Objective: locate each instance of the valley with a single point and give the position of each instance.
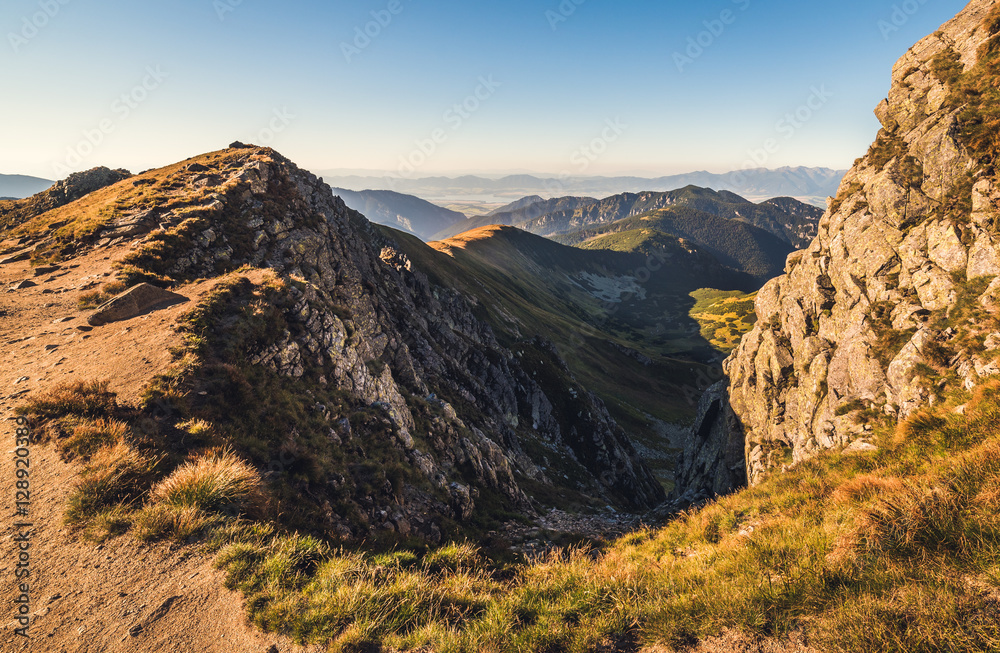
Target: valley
(256, 409)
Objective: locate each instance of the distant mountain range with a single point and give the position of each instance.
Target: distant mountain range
(404, 212)
(754, 239)
(787, 219)
(21, 186)
(735, 244)
(800, 182)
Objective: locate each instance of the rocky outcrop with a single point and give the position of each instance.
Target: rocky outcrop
(134, 301)
(77, 185)
(862, 315)
(469, 415)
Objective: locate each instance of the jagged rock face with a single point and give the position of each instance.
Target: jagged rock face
(365, 321)
(712, 463)
(854, 318)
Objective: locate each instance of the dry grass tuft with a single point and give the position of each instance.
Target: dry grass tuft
(216, 482)
(117, 474)
(160, 521)
(89, 436)
(80, 399)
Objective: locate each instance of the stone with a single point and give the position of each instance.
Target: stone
(860, 446)
(133, 302)
(16, 257)
(21, 285)
(990, 299)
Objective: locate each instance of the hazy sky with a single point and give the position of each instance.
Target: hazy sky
(581, 86)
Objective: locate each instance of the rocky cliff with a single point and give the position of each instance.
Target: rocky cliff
(374, 399)
(877, 315)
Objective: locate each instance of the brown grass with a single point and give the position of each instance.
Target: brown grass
(117, 474)
(79, 399)
(90, 436)
(864, 487)
(218, 481)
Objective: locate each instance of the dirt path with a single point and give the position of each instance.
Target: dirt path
(122, 596)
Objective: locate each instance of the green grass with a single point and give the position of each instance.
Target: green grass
(724, 316)
(897, 550)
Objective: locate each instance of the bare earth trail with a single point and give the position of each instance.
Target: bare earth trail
(141, 599)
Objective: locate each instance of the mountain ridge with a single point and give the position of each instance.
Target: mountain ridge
(18, 187)
(405, 212)
(816, 183)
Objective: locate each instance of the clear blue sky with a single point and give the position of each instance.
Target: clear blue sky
(232, 67)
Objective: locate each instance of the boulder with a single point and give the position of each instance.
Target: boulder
(134, 301)
(17, 257)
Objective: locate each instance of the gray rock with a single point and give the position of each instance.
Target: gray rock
(133, 302)
(881, 249)
(713, 462)
(17, 257)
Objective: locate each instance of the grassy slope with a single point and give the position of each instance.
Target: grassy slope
(897, 550)
(891, 550)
